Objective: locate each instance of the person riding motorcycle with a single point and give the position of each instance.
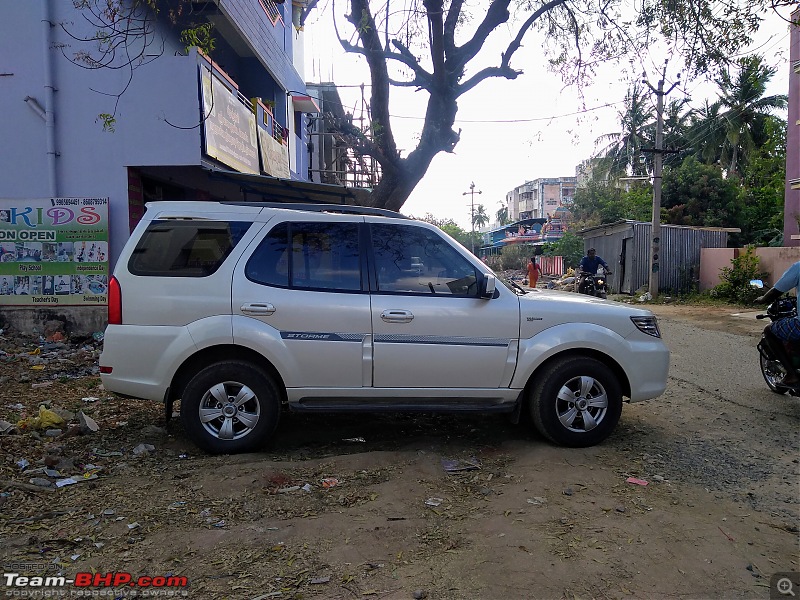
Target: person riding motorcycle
(590, 264)
(784, 330)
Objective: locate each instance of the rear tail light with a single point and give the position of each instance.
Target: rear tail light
(114, 302)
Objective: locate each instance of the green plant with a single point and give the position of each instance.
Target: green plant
(735, 285)
(515, 257)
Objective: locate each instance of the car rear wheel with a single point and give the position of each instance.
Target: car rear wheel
(229, 407)
(576, 402)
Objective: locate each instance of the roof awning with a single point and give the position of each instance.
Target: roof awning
(304, 103)
(275, 189)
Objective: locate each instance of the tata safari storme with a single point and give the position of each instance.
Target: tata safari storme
(243, 310)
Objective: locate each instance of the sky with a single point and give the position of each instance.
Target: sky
(512, 131)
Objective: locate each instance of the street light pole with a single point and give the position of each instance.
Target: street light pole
(472, 193)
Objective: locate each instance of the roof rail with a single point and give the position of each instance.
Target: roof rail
(332, 208)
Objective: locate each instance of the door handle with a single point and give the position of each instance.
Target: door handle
(394, 315)
(253, 308)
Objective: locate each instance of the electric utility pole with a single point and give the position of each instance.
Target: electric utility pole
(472, 193)
(658, 164)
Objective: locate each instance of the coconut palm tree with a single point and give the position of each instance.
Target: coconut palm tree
(742, 97)
(622, 154)
(479, 216)
(706, 133)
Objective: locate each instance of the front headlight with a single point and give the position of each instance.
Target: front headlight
(600, 282)
(647, 325)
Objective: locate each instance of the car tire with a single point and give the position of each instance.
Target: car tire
(229, 407)
(576, 402)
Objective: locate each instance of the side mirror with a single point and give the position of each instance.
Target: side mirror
(756, 283)
(488, 286)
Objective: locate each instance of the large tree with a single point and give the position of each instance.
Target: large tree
(745, 108)
(574, 35)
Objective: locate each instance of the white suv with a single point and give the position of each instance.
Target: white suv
(244, 310)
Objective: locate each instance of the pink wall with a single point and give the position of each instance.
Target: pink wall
(711, 262)
(772, 260)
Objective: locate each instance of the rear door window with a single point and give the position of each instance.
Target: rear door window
(320, 256)
(171, 248)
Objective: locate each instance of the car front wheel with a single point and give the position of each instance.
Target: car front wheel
(230, 407)
(576, 402)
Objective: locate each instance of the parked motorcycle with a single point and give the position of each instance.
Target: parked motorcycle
(771, 368)
(592, 285)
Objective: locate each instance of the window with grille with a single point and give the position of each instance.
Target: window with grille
(272, 10)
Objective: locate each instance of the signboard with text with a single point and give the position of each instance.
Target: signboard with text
(229, 126)
(54, 251)
(273, 155)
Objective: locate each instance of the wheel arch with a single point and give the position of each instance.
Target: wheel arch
(207, 356)
(616, 368)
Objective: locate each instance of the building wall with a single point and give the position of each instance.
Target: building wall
(772, 261)
(791, 208)
(158, 117)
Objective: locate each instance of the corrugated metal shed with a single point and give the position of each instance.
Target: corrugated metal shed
(625, 246)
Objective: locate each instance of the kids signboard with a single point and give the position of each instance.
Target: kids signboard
(54, 251)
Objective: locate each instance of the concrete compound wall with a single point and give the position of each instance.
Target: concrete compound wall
(773, 261)
(71, 321)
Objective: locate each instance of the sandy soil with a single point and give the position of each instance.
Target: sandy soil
(381, 517)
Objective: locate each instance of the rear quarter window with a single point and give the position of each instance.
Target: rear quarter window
(185, 248)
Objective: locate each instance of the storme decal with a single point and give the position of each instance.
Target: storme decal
(316, 336)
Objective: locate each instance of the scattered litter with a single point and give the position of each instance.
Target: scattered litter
(306, 488)
(90, 399)
(23, 463)
(636, 481)
(286, 490)
(134, 525)
(318, 580)
(45, 420)
(108, 512)
(434, 501)
(41, 482)
(72, 480)
(43, 384)
(220, 523)
(658, 478)
(537, 500)
(142, 449)
(646, 297)
(184, 455)
(105, 454)
(457, 466)
(87, 423)
(360, 440)
(98, 336)
(6, 427)
(75, 557)
(52, 473)
(330, 482)
(53, 432)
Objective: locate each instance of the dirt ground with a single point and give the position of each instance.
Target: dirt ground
(365, 506)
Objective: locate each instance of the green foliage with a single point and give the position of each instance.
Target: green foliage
(699, 195)
(109, 122)
(764, 180)
(735, 286)
(199, 36)
(599, 203)
(515, 256)
(570, 246)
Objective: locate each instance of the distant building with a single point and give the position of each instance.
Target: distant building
(540, 198)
